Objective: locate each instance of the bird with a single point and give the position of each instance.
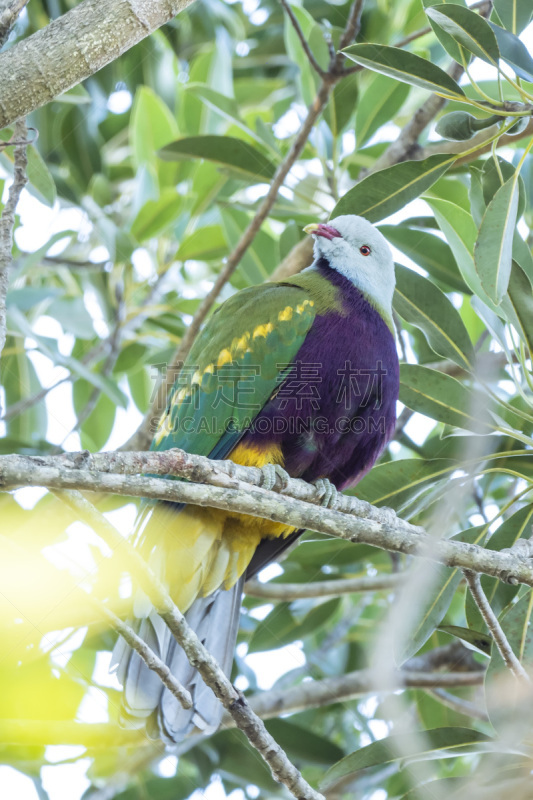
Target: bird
(299, 378)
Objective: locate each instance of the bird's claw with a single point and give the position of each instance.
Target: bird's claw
(327, 491)
(269, 474)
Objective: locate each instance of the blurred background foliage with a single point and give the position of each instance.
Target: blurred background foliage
(125, 223)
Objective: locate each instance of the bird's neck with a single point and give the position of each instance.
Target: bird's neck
(345, 293)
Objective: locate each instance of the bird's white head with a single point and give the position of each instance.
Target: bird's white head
(355, 248)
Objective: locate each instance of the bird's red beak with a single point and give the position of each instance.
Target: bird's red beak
(319, 229)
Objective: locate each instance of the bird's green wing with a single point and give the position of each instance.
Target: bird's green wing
(234, 367)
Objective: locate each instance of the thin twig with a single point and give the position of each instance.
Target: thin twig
(491, 621)
(232, 700)
(303, 41)
(151, 660)
(334, 588)
(353, 25)
(458, 704)
(7, 220)
(342, 688)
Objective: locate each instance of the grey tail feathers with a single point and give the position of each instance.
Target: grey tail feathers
(215, 620)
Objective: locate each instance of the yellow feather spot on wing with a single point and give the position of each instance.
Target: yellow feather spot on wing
(209, 369)
(181, 395)
(197, 377)
(224, 357)
(263, 330)
(164, 428)
(240, 345)
(300, 308)
(286, 314)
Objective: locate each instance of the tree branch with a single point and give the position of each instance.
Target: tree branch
(361, 523)
(74, 47)
(151, 660)
(232, 700)
(8, 17)
(496, 630)
(286, 592)
(343, 688)
(7, 219)
(267, 705)
(458, 704)
(303, 41)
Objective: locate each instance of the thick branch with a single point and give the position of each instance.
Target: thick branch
(7, 220)
(390, 533)
(73, 48)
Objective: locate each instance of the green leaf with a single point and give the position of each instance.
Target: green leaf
(504, 693)
(73, 316)
(434, 600)
(461, 233)
(222, 150)
(40, 178)
(442, 397)
(204, 244)
(447, 41)
(428, 251)
(275, 630)
(493, 177)
(481, 641)
(514, 52)
(493, 249)
(152, 125)
(302, 744)
(467, 28)
(156, 215)
(405, 67)
(397, 482)
(499, 594)
(382, 99)
(432, 604)
(521, 299)
(223, 105)
(384, 192)
(439, 743)
(514, 14)
(421, 303)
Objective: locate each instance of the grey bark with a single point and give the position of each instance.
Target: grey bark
(74, 47)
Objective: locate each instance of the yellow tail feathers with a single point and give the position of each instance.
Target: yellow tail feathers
(203, 549)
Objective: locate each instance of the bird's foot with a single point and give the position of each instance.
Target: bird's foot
(269, 474)
(327, 491)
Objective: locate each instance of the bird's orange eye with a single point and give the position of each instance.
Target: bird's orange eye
(365, 250)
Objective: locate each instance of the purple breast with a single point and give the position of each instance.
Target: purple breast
(335, 408)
